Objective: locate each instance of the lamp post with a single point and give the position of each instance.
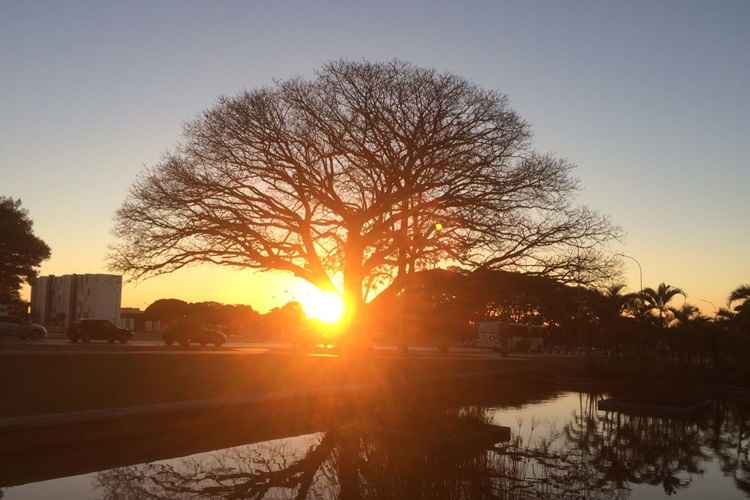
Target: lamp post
(640, 269)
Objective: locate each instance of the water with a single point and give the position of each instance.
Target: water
(558, 446)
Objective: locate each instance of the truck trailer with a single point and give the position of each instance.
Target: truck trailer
(508, 337)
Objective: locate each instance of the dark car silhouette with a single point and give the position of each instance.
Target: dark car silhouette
(186, 332)
(98, 329)
(21, 328)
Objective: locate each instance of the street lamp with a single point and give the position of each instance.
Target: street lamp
(640, 269)
(716, 309)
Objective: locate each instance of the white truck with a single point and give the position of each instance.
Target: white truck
(510, 337)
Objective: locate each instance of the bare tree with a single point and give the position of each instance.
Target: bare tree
(369, 171)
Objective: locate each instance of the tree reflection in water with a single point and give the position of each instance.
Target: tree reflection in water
(595, 455)
(728, 438)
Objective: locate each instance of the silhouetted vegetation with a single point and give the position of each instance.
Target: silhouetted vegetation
(740, 313)
(444, 307)
(235, 319)
(21, 251)
(285, 323)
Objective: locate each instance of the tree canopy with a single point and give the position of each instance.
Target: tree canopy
(167, 309)
(368, 172)
(21, 251)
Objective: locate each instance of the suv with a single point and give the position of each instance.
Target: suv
(98, 329)
(186, 331)
(21, 328)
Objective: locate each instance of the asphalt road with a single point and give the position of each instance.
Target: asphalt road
(60, 344)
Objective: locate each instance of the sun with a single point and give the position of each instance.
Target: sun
(317, 304)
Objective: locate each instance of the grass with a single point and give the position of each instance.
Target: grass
(39, 383)
(64, 382)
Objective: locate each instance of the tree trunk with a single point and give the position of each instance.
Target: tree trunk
(353, 306)
(353, 293)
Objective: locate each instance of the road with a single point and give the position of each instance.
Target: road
(60, 344)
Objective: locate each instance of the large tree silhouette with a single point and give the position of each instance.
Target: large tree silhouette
(369, 171)
(21, 251)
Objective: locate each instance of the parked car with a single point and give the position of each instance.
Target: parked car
(21, 328)
(87, 330)
(188, 332)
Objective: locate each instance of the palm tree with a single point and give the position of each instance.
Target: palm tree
(725, 314)
(686, 314)
(659, 299)
(741, 318)
(742, 294)
(617, 301)
(609, 305)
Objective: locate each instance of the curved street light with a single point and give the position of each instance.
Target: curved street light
(716, 309)
(640, 269)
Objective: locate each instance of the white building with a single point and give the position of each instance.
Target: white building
(60, 300)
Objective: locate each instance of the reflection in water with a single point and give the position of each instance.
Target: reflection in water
(727, 437)
(608, 454)
(591, 455)
(559, 448)
(420, 457)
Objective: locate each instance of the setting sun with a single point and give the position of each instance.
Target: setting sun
(320, 305)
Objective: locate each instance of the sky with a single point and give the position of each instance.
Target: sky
(650, 100)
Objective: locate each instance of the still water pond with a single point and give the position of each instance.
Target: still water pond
(560, 447)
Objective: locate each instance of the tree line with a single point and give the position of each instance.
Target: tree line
(447, 305)
(280, 323)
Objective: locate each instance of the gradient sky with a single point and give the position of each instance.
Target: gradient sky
(650, 99)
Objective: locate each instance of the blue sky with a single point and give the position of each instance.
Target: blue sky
(650, 99)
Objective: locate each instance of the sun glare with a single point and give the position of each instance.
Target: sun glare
(319, 305)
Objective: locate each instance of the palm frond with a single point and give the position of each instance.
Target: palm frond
(742, 292)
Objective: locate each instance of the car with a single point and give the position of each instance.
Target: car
(21, 328)
(87, 330)
(185, 332)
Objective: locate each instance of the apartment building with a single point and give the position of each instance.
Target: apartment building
(60, 300)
